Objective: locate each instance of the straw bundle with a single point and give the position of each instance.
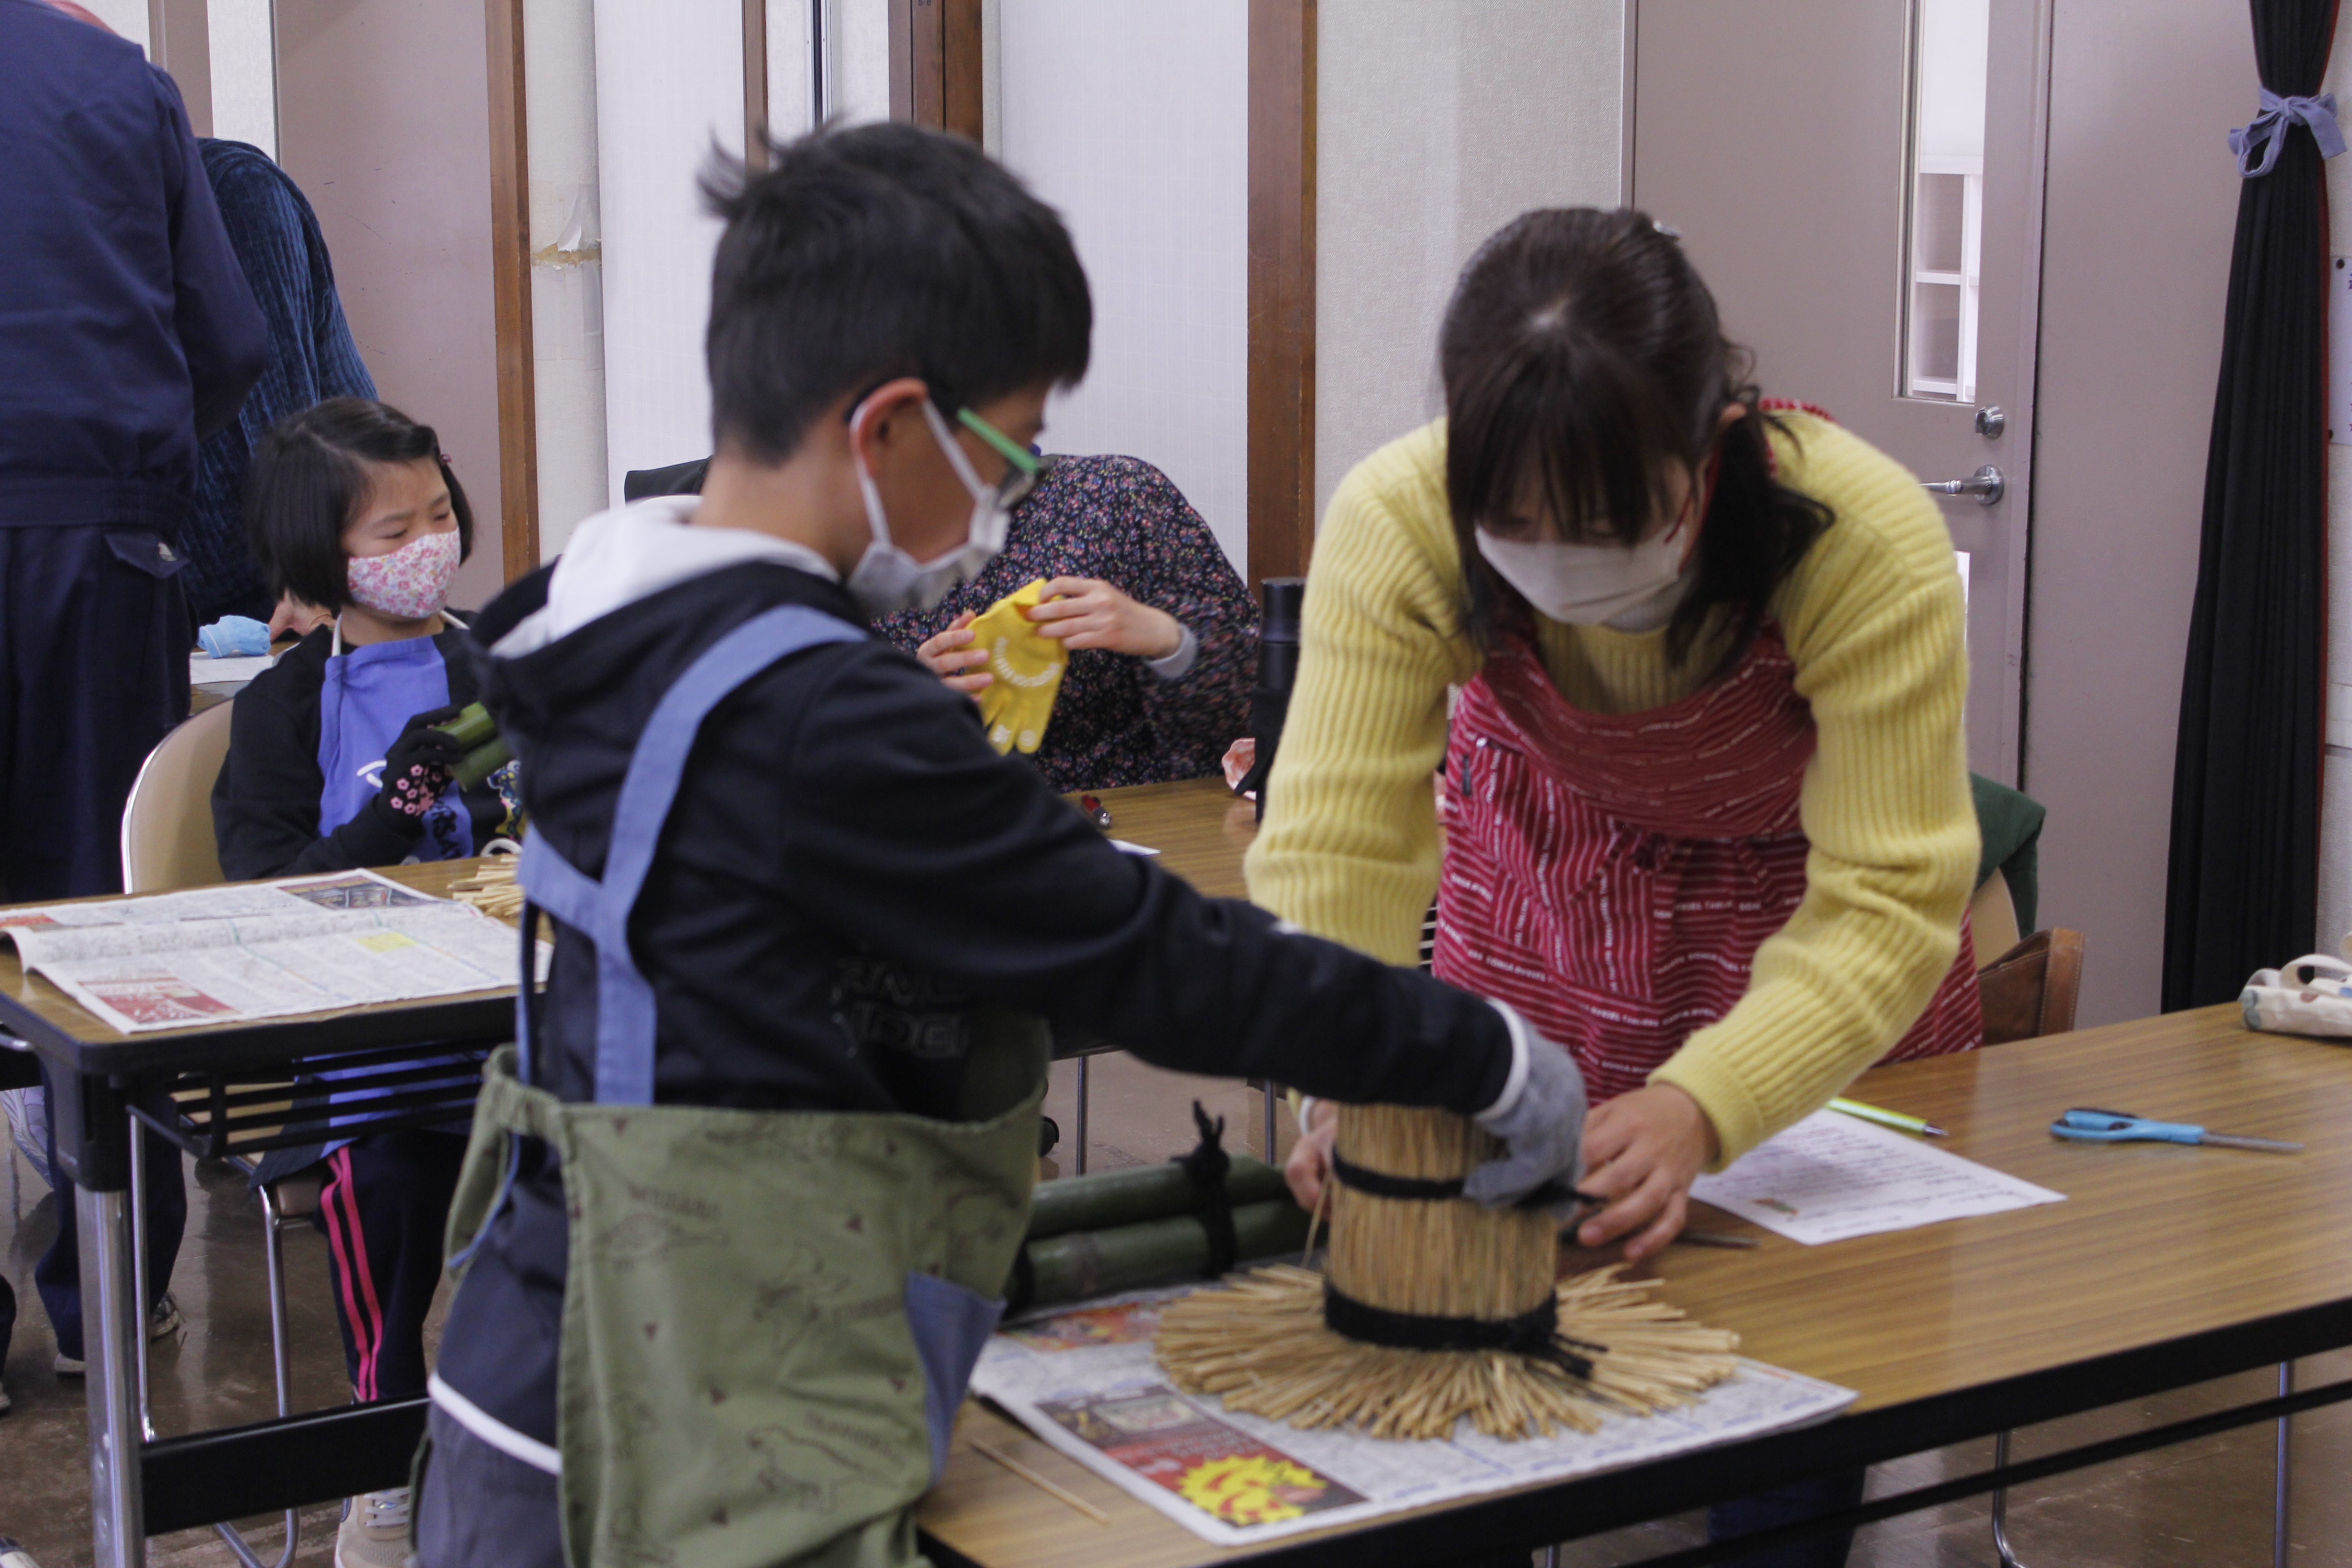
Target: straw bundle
(492, 889)
(1434, 1310)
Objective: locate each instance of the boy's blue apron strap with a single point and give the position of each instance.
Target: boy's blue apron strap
(624, 1002)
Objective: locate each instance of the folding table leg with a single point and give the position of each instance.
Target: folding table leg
(114, 1322)
(2281, 1474)
(139, 1269)
(2001, 1507)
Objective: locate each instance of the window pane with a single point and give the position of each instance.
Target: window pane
(1946, 212)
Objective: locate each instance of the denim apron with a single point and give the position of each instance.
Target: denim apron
(366, 696)
(769, 1317)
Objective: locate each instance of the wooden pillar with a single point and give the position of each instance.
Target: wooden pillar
(510, 291)
(1281, 287)
(935, 64)
(755, 83)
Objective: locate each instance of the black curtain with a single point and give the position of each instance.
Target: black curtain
(2243, 889)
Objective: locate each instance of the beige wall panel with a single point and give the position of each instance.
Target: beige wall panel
(1438, 120)
(2142, 201)
(383, 122)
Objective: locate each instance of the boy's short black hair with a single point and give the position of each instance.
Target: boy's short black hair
(883, 250)
(308, 482)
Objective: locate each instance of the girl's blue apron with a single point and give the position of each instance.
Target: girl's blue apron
(366, 698)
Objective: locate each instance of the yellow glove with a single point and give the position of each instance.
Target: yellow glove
(1027, 667)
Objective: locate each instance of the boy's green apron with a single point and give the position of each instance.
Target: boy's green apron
(770, 1317)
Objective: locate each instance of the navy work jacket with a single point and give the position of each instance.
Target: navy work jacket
(126, 327)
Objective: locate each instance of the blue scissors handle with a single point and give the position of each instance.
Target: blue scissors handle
(2096, 1126)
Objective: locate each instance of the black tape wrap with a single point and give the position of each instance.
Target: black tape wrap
(1207, 1165)
(1380, 1184)
(1431, 1189)
(1534, 1333)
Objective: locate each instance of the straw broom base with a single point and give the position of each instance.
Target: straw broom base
(1261, 1345)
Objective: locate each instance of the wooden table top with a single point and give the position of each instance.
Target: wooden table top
(2155, 1243)
(1200, 827)
(30, 1006)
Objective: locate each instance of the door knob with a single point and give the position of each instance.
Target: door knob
(1987, 484)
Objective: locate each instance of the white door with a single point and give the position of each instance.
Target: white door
(1860, 183)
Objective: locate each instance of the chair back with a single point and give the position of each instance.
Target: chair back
(167, 822)
(2032, 989)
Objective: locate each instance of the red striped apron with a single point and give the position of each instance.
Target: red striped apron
(1613, 876)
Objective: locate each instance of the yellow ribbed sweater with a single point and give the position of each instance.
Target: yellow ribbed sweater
(1874, 619)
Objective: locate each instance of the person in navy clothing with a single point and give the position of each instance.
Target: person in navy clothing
(311, 358)
(127, 332)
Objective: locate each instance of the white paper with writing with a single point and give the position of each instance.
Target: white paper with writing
(1831, 1176)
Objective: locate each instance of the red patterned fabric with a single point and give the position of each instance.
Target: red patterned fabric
(1613, 876)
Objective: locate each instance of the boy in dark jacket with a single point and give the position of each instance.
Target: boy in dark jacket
(741, 1207)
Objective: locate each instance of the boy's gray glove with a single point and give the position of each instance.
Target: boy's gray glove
(1543, 1123)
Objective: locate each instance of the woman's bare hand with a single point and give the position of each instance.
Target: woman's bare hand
(951, 656)
(1085, 612)
(296, 617)
(1641, 1152)
(1309, 1164)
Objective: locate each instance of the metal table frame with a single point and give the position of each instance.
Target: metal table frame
(101, 1088)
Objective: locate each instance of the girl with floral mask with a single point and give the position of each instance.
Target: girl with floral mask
(1705, 808)
(334, 762)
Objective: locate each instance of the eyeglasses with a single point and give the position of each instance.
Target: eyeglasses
(1021, 477)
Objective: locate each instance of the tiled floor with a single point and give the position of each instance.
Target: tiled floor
(2207, 1504)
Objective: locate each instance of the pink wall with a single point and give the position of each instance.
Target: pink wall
(383, 122)
(2141, 206)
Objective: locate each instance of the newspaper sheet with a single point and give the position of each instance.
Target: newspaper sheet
(1084, 1380)
(1832, 1176)
(308, 945)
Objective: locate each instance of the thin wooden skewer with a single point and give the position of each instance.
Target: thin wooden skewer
(1315, 1222)
(989, 1451)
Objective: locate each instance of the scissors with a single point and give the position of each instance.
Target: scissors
(2122, 1127)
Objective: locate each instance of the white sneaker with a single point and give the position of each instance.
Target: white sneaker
(164, 1320)
(374, 1532)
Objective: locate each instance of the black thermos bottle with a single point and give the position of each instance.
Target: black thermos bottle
(1277, 672)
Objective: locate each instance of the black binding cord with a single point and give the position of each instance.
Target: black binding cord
(1534, 1333)
(1207, 1165)
(1380, 1184)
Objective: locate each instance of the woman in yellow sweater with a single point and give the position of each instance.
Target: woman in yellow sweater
(1706, 801)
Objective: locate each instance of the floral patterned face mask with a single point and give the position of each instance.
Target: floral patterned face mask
(411, 583)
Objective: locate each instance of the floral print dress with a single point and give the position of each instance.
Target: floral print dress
(1117, 721)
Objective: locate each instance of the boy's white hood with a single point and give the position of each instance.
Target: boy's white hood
(632, 553)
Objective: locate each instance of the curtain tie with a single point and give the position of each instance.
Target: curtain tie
(2262, 137)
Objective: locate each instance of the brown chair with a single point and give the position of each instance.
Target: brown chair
(2032, 989)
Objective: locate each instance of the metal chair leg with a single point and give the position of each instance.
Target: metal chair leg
(2283, 1473)
(1078, 1153)
(274, 1226)
(1551, 1557)
(1269, 1109)
(2001, 1507)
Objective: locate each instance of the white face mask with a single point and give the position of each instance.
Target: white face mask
(1585, 584)
(886, 578)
